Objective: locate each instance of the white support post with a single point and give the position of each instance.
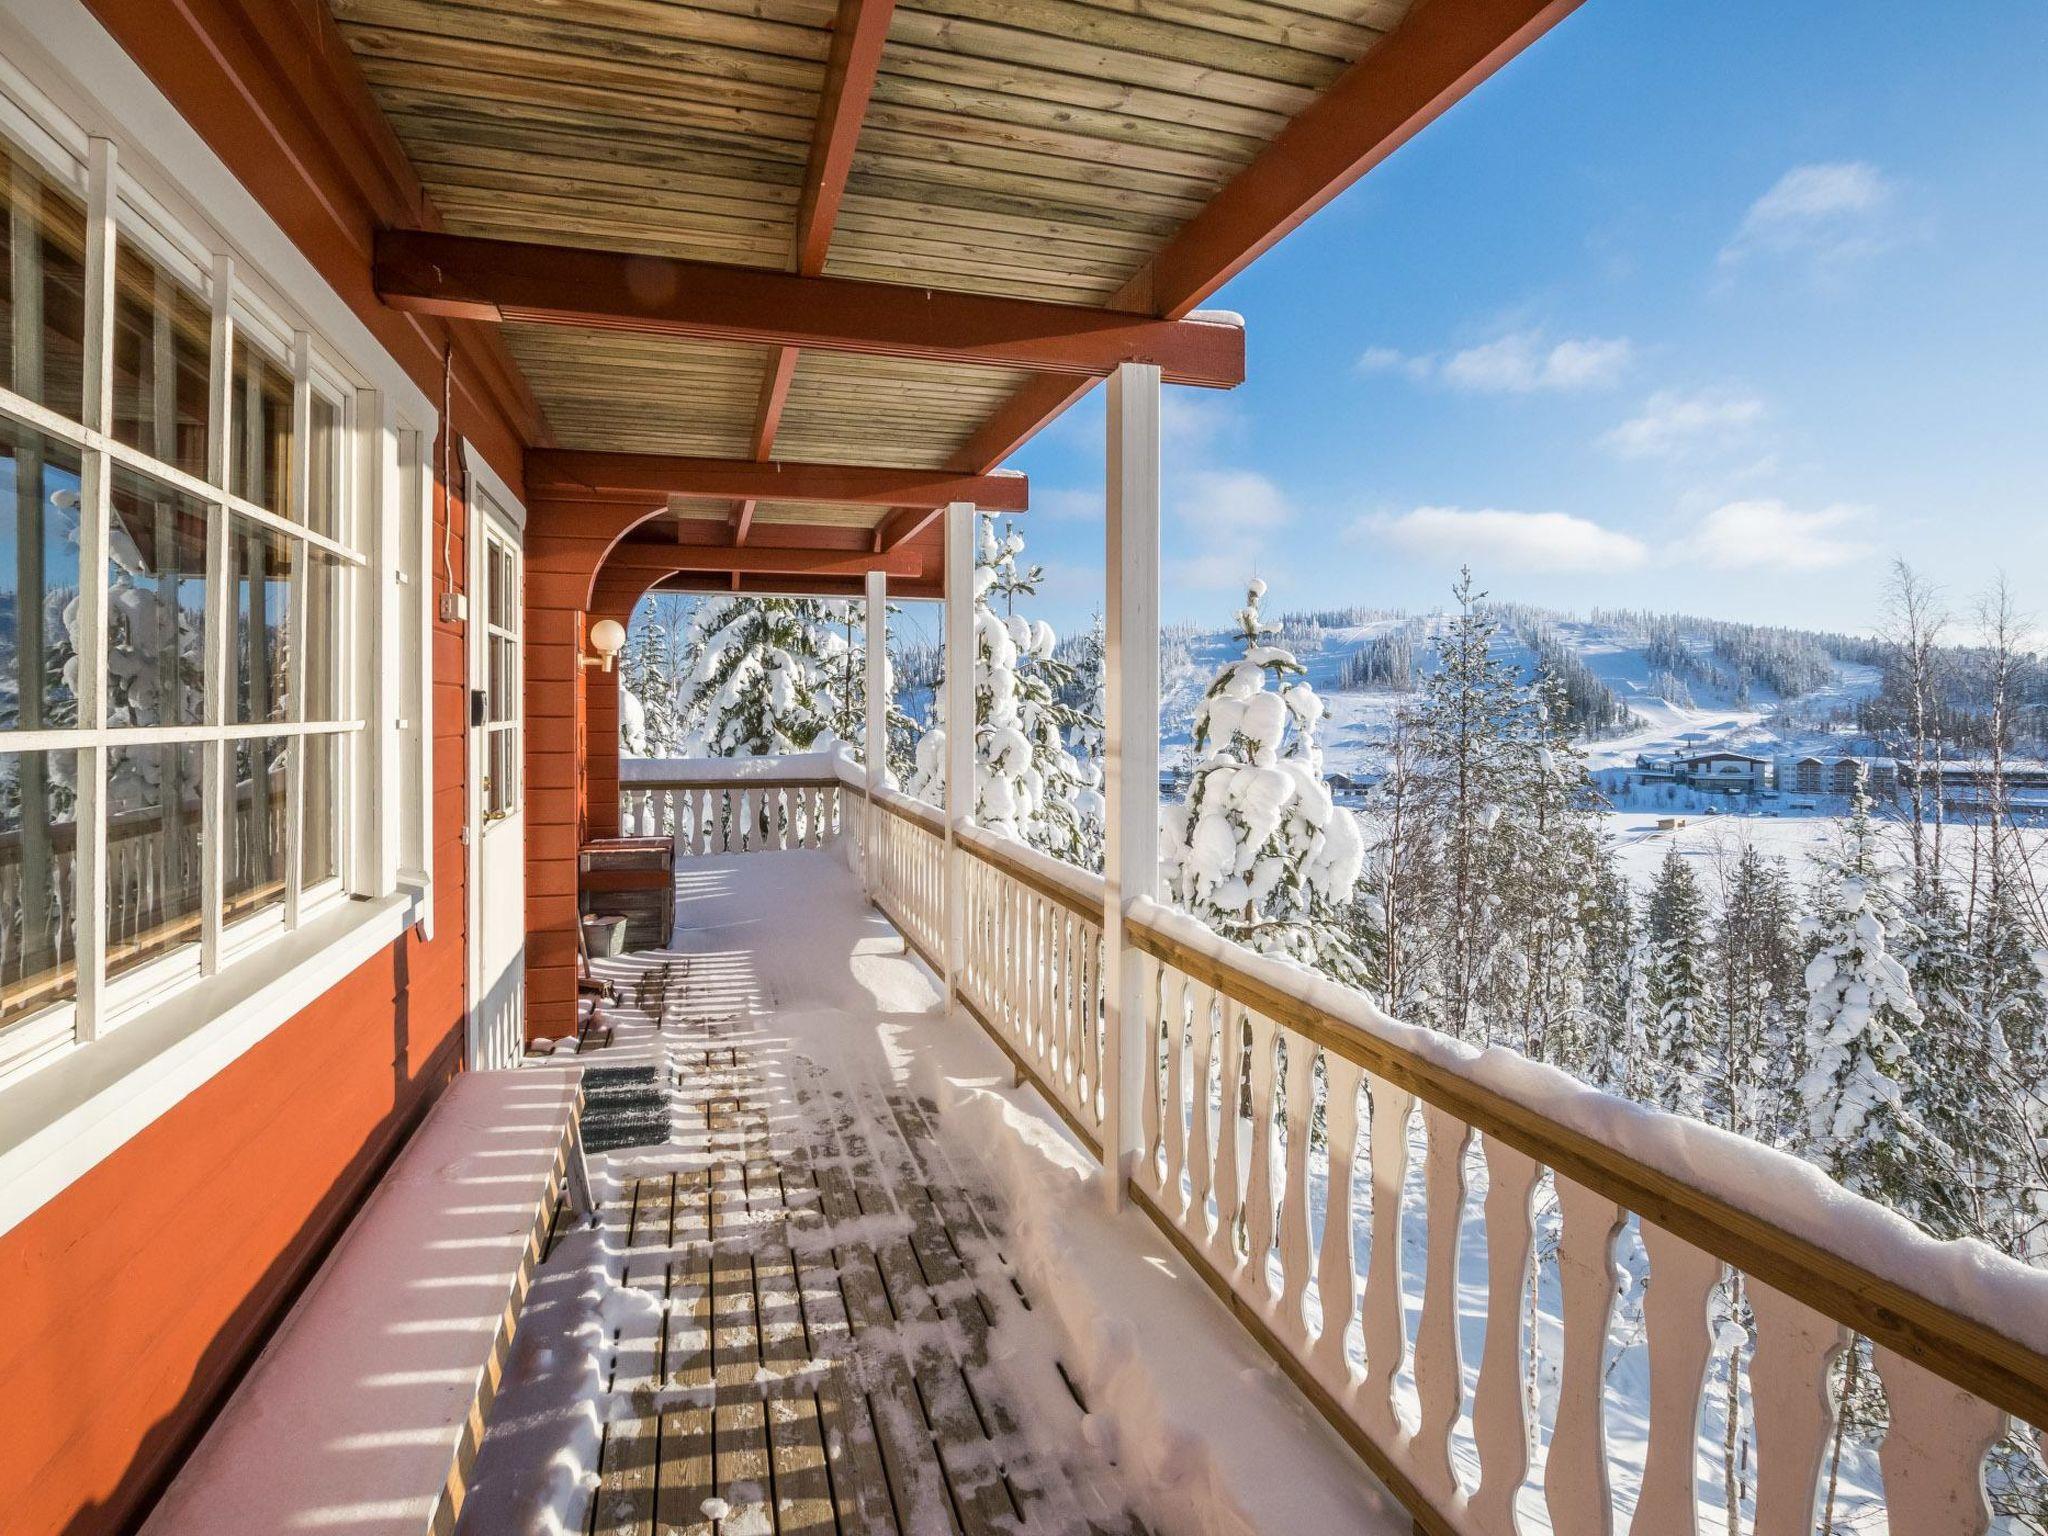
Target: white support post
(876, 751)
(1131, 739)
(960, 724)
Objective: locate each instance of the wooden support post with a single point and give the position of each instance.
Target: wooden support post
(1131, 734)
(876, 752)
(960, 724)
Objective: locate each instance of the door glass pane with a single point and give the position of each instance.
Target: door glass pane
(38, 580)
(319, 846)
(324, 469)
(42, 288)
(156, 604)
(326, 579)
(38, 844)
(260, 465)
(153, 821)
(163, 343)
(254, 809)
(260, 581)
(502, 792)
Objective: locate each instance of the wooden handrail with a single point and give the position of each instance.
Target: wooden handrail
(737, 785)
(1072, 894)
(1953, 1345)
(916, 812)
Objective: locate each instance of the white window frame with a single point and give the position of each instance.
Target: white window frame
(160, 1030)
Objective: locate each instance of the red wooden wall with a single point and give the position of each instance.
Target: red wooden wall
(134, 1298)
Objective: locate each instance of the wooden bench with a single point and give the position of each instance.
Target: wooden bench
(364, 1411)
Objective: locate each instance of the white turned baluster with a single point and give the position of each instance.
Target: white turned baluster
(1258, 1208)
(1177, 987)
(1575, 1476)
(1794, 1407)
(1201, 1147)
(1301, 1097)
(1439, 1370)
(1500, 1416)
(1681, 1283)
(1336, 1262)
(1223, 1243)
(1146, 1016)
(1386, 1339)
(1933, 1451)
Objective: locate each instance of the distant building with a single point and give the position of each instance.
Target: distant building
(1724, 772)
(1879, 776)
(1806, 775)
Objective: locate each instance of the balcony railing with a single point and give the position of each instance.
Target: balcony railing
(732, 806)
(1257, 1078)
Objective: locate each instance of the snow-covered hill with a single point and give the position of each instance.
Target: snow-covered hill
(1698, 711)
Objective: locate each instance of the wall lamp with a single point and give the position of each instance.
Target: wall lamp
(607, 638)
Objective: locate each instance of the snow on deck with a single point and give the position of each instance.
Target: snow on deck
(868, 1285)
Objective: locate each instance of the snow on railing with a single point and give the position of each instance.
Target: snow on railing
(733, 805)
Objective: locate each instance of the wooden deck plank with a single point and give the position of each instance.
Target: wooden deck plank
(687, 1467)
(624, 1503)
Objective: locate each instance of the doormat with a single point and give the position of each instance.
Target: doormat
(624, 1107)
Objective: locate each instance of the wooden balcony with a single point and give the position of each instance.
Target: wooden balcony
(1431, 1241)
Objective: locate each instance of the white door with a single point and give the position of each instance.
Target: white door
(497, 761)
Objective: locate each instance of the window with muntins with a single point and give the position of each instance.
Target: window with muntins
(179, 582)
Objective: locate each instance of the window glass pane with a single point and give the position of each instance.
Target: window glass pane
(38, 844)
(156, 604)
(38, 580)
(326, 586)
(42, 288)
(501, 793)
(260, 463)
(254, 810)
(260, 583)
(163, 340)
(153, 820)
(319, 846)
(324, 469)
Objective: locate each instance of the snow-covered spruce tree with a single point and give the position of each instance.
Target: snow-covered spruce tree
(760, 677)
(1860, 1015)
(1468, 724)
(651, 673)
(1550, 861)
(1757, 988)
(1678, 1025)
(1259, 851)
(1027, 785)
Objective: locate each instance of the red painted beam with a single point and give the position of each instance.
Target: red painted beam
(558, 474)
(1438, 53)
(774, 396)
(508, 280)
(760, 559)
(858, 33)
(905, 526)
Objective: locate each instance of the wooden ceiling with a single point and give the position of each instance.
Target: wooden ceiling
(1128, 154)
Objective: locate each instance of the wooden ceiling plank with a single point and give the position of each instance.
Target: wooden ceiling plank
(469, 278)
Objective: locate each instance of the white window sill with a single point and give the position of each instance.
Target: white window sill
(63, 1118)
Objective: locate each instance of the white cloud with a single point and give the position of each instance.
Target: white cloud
(1515, 363)
(1527, 541)
(1067, 504)
(1232, 512)
(1523, 362)
(1828, 212)
(1672, 424)
(1768, 535)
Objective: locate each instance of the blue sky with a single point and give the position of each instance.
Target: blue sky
(1710, 307)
